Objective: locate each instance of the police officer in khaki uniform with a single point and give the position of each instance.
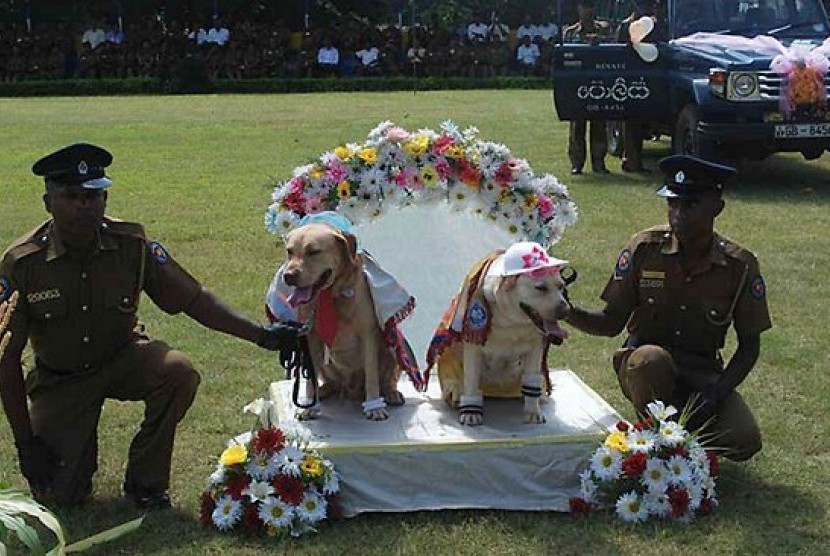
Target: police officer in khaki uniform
(79, 277)
(588, 30)
(678, 288)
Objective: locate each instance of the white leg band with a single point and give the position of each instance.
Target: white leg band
(374, 405)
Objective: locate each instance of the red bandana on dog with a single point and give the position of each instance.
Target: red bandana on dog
(326, 322)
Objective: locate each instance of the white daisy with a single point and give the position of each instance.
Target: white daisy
(451, 129)
(281, 192)
(218, 476)
(640, 441)
(587, 485)
(312, 508)
(606, 463)
(657, 503)
(379, 132)
(243, 438)
(565, 214)
(655, 477)
(371, 180)
(332, 484)
(631, 508)
(227, 513)
(258, 491)
(275, 512)
(695, 490)
(470, 133)
(262, 466)
(679, 472)
(289, 459)
(661, 411)
(303, 170)
(280, 221)
(671, 433)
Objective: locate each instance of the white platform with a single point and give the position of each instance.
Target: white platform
(422, 459)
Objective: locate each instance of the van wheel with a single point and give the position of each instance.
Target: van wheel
(614, 137)
(685, 139)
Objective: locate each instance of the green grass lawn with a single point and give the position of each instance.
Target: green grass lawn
(195, 170)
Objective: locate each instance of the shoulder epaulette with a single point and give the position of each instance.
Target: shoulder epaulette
(735, 251)
(121, 227)
(655, 234)
(27, 244)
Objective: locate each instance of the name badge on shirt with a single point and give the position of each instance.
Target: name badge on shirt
(652, 279)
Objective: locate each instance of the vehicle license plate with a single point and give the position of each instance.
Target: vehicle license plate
(798, 131)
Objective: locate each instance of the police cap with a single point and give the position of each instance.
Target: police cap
(80, 165)
(689, 176)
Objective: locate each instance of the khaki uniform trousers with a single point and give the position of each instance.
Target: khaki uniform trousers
(65, 409)
(648, 373)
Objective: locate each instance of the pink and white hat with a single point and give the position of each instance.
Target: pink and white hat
(524, 257)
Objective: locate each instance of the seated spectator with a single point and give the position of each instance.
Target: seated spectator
(328, 59)
(526, 29)
(94, 36)
(527, 56)
(115, 35)
(218, 34)
(548, 31)
(477, 30)
(497, 31)
(197, 34)
(369, 57)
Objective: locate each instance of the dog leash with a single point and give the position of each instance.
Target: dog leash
(301, 367)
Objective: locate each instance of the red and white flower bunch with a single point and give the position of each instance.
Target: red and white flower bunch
(268, 481)
(651, 468)
(395, 168)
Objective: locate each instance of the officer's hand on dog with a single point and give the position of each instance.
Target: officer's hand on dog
(38, 462)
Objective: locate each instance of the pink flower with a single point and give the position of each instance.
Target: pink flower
(545, 207)
(441, 144)
(314, 205)
(443, 169)
(337, 172)
(398, 134)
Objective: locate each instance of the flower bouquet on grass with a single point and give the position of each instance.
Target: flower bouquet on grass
(269, 481)
(651, 468)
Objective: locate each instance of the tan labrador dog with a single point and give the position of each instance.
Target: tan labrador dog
(525, 298)
(321, 260)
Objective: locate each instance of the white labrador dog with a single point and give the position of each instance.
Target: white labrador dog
(521, 299)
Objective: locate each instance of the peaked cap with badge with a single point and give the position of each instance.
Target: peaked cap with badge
(77, 165)
(688, 176)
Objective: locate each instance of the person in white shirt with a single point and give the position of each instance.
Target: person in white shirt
(527, 55)
(497, 31)
(95, 36)
(477, 30)
(328, 58)
(548, 31)
(218, 34)
(526, 29)
(197, 34)
(369, 57)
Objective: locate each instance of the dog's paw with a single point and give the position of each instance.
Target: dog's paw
(376, 414)
(394, 398)
(471, 419)
(307, 414)
(535, 417)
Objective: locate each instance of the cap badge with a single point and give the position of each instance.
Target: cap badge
(83, 168)
(679, 177)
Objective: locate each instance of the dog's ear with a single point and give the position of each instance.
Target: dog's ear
(508, 283)
(348, 243)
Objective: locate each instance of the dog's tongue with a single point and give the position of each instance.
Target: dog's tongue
(552, 329)
(300, 296)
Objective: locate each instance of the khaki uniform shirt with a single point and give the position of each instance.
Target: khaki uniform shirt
(79, 310)
(686, 313)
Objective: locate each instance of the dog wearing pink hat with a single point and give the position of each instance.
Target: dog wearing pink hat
(493, 339)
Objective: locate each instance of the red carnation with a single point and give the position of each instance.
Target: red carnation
(250, 519)
(679, 451)
(714, 463)
(622, 426)
(646, 423)
(208, 504)
(634, 465)
(707, 506)
(441, 144)
(268, 440)
(504, 175)
(579, 506)
(290, 489)
(236, 485)
(679, 501)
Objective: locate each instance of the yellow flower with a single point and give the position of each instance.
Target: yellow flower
(368, 155)
(430, 176)
(312, 467)
(317, 173)
(233, 455)
(530, 202)
(617, 441)
(417, 146)
(454, 152)
(343, 153)
(344, 190)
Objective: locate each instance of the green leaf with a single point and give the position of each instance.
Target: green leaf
(14, 503)
(105, 536)
(25, 532)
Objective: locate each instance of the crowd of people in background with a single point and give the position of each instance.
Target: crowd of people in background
(484, 46)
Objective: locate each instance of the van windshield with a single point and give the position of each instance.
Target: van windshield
(780, 18)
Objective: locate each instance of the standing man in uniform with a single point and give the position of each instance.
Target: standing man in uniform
(79, 277)
(678, 288)
(587, 30)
